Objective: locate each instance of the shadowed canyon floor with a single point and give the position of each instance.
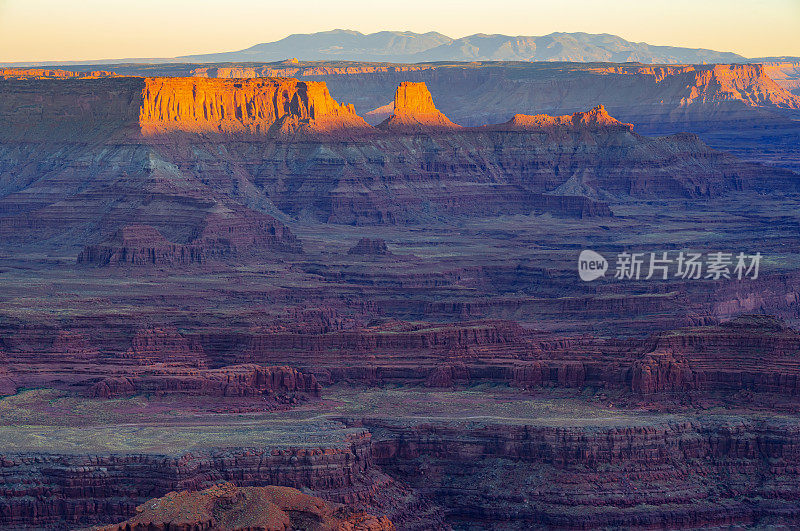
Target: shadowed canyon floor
(242, 280)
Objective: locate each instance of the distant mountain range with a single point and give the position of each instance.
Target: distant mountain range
(410, 47)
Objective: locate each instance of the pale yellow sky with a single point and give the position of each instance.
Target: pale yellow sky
(55, 30)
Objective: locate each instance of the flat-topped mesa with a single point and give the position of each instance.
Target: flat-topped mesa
(126, 108)
(369, 247)
(242, 106)
(594, 119)
(747, 83)
(219, 237)
(44, 73)
(414, 110)
(138, 244)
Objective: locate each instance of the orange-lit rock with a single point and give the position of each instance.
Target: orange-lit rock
(786, 74)
(414, 110)
(236, 106)
(42, 73)
(596, 118)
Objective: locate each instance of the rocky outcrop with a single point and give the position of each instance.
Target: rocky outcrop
(69, 109)
(597, 118)
(141, 245)
(243, 232)
(283, 384)
(369, 247)
(655, 98)
(746, 83)
(752, 353)
(221, 237)
(661, 371)
(448, 375)
(414, 111)
(163, 345)
(44, 73)
(242, 106)
(226, 506)
(686, 473)
(786, 74)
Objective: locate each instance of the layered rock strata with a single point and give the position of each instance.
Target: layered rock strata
(281, 383)
(414, 110)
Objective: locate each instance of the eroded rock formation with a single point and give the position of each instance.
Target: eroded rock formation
(44, 73)
(280, 383)
(220, 237)
(369, 247)
(226, 506)
(253, 106)
(414, 111)
(681, 474)
(753, 353)
(341, 471)
(597, 118)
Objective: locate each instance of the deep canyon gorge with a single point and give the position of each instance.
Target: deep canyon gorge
(221, 283)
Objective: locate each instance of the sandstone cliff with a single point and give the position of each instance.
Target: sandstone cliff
(221, 237)
(414, 111)
(281, 384)
(786, 74)
(753, 353)
(654, 98)
(685, 473)
(79, 108)
(596, 118)
(341, 471)
(44, 73)
(254, 106)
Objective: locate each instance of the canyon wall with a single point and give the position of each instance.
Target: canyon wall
(786, 74)
(679, 474)
(254, 106)
(687, 473)
(46, 490)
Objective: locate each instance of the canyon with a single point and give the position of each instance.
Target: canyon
(221, 283)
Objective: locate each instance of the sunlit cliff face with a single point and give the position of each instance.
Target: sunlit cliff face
(413, 108)
(107, 106)
(240, 106)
